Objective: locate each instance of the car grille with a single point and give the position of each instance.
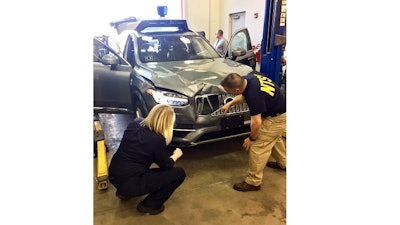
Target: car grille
(211, 105)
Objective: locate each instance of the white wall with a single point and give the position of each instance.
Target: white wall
(211, 15)
(255, 26)
(197, 14)
(202, 15)
(104, 12)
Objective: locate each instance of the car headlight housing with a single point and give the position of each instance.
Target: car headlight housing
(167, 97)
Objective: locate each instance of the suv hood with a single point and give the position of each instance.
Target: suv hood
(193, 77)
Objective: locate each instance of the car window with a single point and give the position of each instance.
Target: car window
(100, 50)
(202, 49)
(240, 41)
(165, 48)
(129, 51)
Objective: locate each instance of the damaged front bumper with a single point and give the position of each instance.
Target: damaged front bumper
(204, 122)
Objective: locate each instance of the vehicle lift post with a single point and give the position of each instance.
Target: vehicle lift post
(274, 36)
(272, 41)
(102, 166)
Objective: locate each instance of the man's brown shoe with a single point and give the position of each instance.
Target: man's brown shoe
(275, 165)
(243, 186)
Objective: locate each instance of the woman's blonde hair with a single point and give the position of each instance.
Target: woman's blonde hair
(161, 120)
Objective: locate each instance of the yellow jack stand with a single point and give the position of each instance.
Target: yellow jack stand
(102, 166)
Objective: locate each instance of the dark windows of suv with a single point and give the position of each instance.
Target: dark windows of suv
(131, 54)
(202, 49)
(99, 50)
(165, 48)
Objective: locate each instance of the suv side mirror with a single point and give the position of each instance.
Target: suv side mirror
(110, 59)
(237, 52)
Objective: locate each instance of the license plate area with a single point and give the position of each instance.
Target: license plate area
(230, 122)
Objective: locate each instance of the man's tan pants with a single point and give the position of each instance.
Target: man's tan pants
(268, 142)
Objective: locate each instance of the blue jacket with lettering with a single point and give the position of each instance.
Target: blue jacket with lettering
(263, 96)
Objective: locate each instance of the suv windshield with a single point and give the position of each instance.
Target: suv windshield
(165, 48)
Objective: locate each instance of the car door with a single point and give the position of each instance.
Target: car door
(111, 80)
(241, 39)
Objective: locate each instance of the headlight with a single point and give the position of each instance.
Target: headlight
(170, 98)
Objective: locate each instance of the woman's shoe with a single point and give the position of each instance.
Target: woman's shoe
(121, 197)
(150, 210)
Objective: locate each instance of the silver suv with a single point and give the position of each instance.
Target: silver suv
(163, 61)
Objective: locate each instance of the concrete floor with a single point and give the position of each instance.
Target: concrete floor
(206, 196)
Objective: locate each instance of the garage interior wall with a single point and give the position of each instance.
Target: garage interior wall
(211, 15)
(201, 16)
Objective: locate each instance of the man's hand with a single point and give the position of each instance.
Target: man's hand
(255, 126)
(225, 108)
(246, 144)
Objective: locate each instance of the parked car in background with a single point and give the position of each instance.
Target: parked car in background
(163, 61)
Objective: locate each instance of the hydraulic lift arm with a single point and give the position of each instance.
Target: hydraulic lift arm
(273, 39)
(274, 36)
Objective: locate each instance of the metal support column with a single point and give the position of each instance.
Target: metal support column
(272, 41)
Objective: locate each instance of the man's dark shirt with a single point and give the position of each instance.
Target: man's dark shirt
(139, 148)
(263, 96)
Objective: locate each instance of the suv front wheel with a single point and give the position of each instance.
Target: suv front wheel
(140, 110)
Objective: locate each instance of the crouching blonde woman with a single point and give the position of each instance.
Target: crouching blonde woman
(145, 142)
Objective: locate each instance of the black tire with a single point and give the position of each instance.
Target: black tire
(140, 110)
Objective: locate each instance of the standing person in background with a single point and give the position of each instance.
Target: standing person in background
(104, 39)
(221, 43)
(267, 105)
(282, 82)
(145, 142)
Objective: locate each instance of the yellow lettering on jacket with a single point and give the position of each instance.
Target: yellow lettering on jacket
(266, 85)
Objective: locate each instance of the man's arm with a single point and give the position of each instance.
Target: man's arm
(225, 45)
(237, 100)
(255, 126)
